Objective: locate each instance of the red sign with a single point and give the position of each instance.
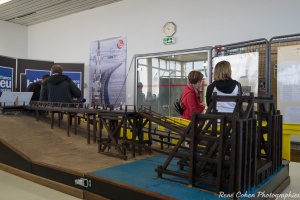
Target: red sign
(120, 44)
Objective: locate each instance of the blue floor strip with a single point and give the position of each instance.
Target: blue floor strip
(141, 174)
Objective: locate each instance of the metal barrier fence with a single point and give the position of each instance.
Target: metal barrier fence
(259, 45)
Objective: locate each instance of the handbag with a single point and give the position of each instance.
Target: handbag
(177, 106)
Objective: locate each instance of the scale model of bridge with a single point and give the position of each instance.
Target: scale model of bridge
(229, 152)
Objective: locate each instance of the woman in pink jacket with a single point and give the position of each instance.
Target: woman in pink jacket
(190, 98)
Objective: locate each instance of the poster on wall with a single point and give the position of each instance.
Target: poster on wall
(108, 71)
(34, 75)
(288, 83)
(75, 76)
(6, 79)
(244, 69)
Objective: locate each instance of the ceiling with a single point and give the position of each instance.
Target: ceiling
(29, 12)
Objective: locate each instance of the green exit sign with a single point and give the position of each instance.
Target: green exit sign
(169, 40)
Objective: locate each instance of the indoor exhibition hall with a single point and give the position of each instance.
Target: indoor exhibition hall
(161, 99)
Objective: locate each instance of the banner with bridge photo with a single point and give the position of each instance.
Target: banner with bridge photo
(108, 72)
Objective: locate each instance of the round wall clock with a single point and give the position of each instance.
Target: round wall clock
(169, 29)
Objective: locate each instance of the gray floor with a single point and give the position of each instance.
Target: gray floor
(14, 188)
(294, 187)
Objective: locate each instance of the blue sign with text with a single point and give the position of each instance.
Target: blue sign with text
(33, 75)
(36, 75)
(75, 76)
(6, 79)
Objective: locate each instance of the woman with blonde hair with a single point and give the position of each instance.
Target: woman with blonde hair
(224, 86)
(190, 98)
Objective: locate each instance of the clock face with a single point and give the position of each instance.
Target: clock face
(169, 29)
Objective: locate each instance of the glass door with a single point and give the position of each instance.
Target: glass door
(161, 78)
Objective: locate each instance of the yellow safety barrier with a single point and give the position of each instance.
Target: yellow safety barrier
(129, 132)
(181, 121)
(288, 129)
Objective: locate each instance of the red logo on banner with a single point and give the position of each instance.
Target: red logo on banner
(120, 44)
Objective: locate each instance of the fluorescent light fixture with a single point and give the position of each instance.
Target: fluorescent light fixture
(4, 1)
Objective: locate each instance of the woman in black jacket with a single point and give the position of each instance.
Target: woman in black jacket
(223, 85)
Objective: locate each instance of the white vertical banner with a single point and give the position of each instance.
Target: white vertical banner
(108, 72)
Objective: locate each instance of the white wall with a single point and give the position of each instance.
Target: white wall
(199, 23)
(13, 40)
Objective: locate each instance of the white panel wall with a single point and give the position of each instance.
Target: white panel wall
(199, 23)
(13, 40)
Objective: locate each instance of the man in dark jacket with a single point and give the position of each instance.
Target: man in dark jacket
(58, 87)
(36, 88)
